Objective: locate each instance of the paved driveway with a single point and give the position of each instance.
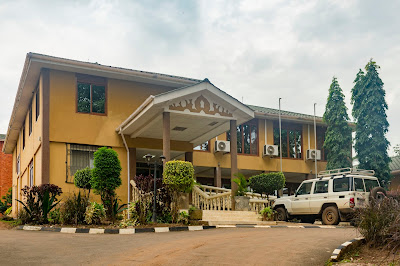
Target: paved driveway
(228, 246)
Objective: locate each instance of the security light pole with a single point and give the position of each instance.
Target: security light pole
(315, 143)
(280, 134)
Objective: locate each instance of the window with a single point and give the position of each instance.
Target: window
(291, 140)
(203, 147)
(359, 185)
(320, 142)
(30, 120)
(342, 184)
(304, 189)
(23, 137)
(370, 184)
(31, 174)
(37, 103)
(80, 157)
(91, 95)
(321, 187)
(18, 166)
(247, 138)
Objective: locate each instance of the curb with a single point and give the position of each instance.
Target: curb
(125, 231)
(280, 226)
(340, 250)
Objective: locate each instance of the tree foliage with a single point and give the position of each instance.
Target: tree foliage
(267, 183)
(82, 178)
(369, 112)
(7, 201)
(106, 176)
(178, 175)
(338, 138)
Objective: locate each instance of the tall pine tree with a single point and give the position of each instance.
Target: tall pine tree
(369, 112)
(338, 138)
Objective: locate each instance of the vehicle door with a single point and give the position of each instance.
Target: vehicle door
(361, 197)
(301, 200)
(342, 188)
(319, 195)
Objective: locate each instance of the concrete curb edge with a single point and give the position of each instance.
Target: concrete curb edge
(122, 231)
(343, 248)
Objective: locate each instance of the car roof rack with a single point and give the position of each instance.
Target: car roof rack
(344, 171)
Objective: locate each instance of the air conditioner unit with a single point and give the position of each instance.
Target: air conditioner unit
(222, 146)
(270, 150)
(313, 154)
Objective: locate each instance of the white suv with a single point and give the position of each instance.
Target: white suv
(333, 196)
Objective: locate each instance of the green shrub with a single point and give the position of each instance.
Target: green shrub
(106, 177)
(242, 183)
(55, 216)
(39, 201)
(82, 179)
(183, 218)
(268, 213)
(95, 212)
(178, 175)
(267, 183)
(7, 201)
(8, 211)
(74, 209)
(23, 216)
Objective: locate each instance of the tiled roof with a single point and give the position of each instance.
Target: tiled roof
(2, 137)
(276, 112)
(395, 163)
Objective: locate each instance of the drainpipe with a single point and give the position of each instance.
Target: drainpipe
(129, 170)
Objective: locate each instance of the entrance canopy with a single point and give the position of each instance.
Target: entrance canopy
(198, 113)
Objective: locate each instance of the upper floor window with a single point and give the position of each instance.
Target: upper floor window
(23, 137)
(291, 140)
(37, 103)
(203, 147)
(30, 120)
(91, 94)
(247, 138)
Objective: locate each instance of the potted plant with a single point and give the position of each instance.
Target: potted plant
(268, 214)
(242, 202)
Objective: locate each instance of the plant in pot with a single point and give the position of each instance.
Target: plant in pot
(242, 202)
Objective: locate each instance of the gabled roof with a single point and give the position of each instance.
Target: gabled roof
(394, 165)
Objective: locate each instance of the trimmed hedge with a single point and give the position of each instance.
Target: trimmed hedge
(267, 183)
(178, 175)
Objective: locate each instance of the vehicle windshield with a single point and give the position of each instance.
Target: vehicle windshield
(304, 189)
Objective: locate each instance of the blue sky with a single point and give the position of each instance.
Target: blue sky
(257, 51)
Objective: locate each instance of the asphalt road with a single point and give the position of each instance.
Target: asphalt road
(228, 246)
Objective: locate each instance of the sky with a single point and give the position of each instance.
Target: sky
(257, 51)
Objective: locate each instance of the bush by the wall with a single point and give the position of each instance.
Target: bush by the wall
(73, 209)
(7, 203)
(82, 179)
(39, 201)
(95, 212)
(267, 183)
(178, 175)
(106, 177)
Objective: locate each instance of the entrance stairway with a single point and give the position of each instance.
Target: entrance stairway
(233, 218)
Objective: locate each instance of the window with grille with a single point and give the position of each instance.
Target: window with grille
(79, 156)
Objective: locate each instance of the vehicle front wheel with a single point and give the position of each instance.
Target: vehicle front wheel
(330, 216)
(281, 214)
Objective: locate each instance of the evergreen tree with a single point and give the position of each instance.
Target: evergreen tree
(369, 112)
(338, 138)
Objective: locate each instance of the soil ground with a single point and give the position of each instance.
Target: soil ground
(230, 246)
(365, 255)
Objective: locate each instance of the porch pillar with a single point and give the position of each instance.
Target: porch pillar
(217, 176)
(166, 136)
(189, 156)
(234, 168)
(132, 166)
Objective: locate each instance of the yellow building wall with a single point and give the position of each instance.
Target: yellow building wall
(258, 162)
(31, 151)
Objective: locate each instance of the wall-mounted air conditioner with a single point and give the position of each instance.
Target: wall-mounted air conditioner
(270, 150)
(313, 154)
(222, 146)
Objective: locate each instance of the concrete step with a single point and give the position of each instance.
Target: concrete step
(240, 216)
